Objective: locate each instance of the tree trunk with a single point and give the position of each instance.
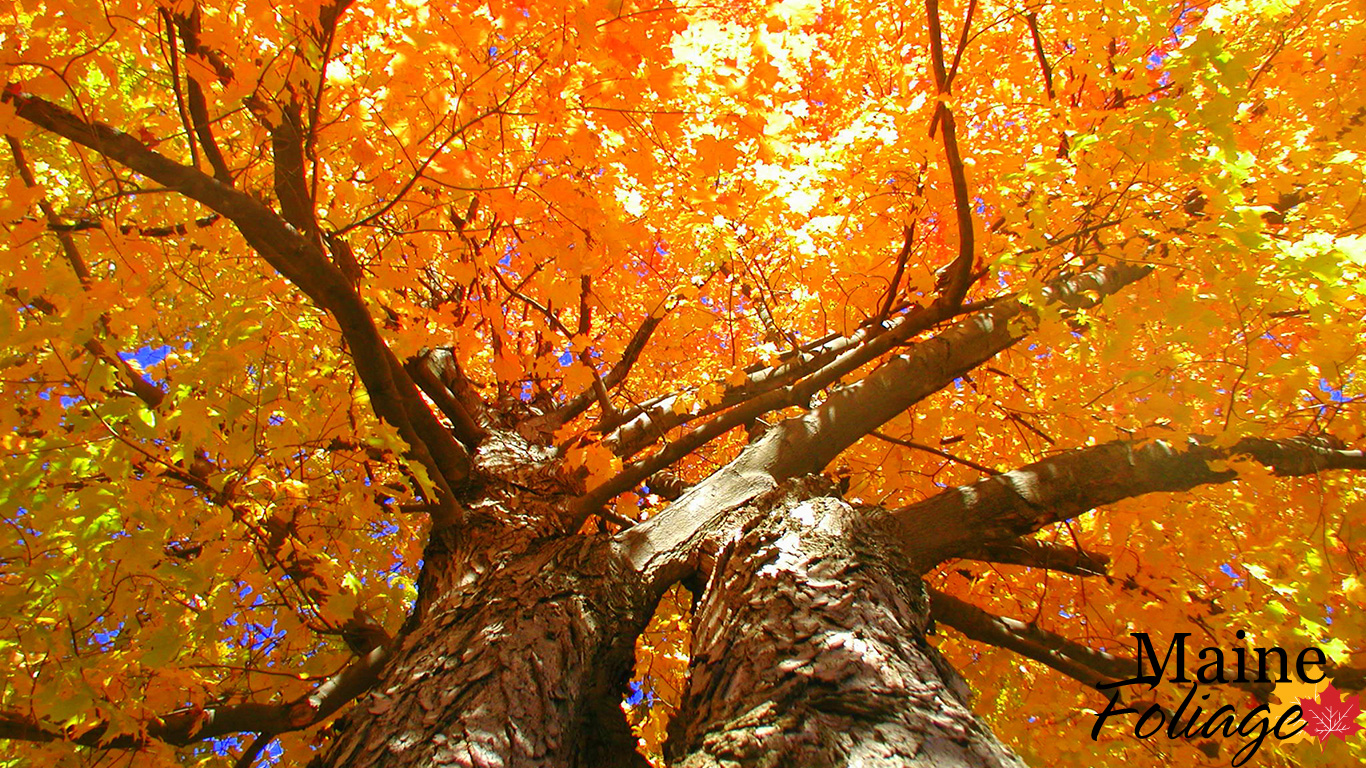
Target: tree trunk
(525, 666)
(809, 649)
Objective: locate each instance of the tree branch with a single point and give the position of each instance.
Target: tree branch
(811, 441)
(436, 373)
(580, 402)
(662, 549)
(258, 744)
(146, 391)
(1020, 502)
(959, 275)
(935, 451)
(963, 38)
(854, 410)
(171, 230)
(597, 390)
(203, 130)
(188, 27)
(1032, 19)
(1033, 553)
(188, 726)
(585, 309)
(909, 234)
(174, 55)
(1079, 662)
(328, 17)
(822, 362)
(291, 187)
(303, 262)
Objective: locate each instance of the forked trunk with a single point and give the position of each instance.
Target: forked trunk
(810, 650)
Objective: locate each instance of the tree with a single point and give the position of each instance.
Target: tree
(407, 361)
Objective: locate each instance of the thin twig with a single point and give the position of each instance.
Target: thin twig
(146, 391)
(959, 275)
(930, 449)
(909, 234)
(1032, 19)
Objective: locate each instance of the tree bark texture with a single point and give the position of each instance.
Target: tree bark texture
(809, 649)
(524, 667)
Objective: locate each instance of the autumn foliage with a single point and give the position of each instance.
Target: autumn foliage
(239, 239)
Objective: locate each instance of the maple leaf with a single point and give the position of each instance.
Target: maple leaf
(1331, 715)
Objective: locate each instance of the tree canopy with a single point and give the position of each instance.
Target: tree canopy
(272, 275)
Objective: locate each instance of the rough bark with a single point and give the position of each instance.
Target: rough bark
(524, 667)
(809, 649)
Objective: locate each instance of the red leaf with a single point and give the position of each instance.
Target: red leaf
(1332, 716)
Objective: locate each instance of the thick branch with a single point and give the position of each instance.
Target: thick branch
(585, 309)
(643, 426)
(292, 255)
(855, 410)
(203, 130)
(1079, 662)
(1020, 502)
(791, 383)
(291, 187)
(301, 260)
(193, 725)
(807, 443)
(662, 549)
(1348, 678)
(190, 26)
(438, 375)
(170, 230)
(1033, 553)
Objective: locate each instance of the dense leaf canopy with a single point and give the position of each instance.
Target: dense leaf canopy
(609, 210)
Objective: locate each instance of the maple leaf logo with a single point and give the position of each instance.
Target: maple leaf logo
(1331, 715)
